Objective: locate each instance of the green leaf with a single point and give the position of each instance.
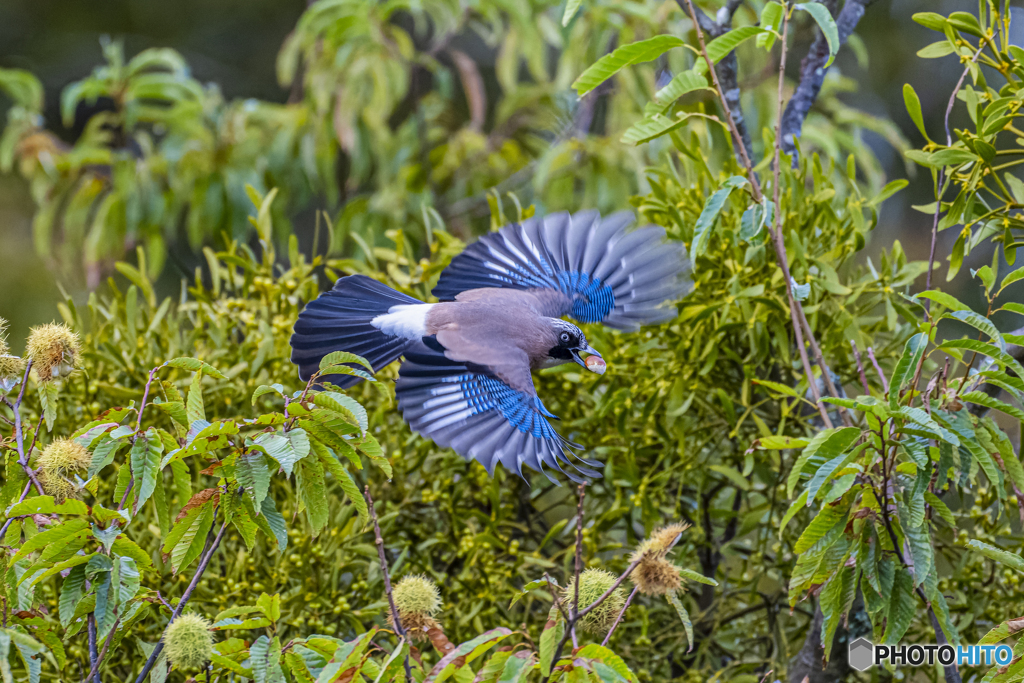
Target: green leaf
(265, 659)
(309, 479)
(287, 448)
(652, 127)
(953, 156)
(145, 464)
(708, 216)
(339, 357)
(922, 419)
(345, 406)
(466, 652)
(827, 25)
(682, 83)
(554, 628)
(44, 505)
(344, 479)
(826, 444)
(195, 365)
(253, 474)
(1011, 560)
(990, 350)
(825, 472)
(49, 393)
(193, 539)
(935, 22)
(947, 300)
(194, 408)
(913, 104)
(1011, 277)
(906, 368)
(517, 667)
(71, 592)
(265, 389)
(980, 323)
(718, 48)
(56, 534)
(902, 607)
(627, 55)
(940, 508)
(684, 616)
(274, 520)
(697, 577)
(771, 20)
(570, 10)
(794, 507)
(603, 654)
(531, 586)
(983, 399)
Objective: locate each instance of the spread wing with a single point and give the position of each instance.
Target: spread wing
(479, 415)
(585, 266)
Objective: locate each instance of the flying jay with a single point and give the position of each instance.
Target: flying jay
(466, 380)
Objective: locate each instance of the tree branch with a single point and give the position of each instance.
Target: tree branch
(379, 539)
(812, 74)
(211, 548)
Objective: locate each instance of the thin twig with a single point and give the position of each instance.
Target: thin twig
(211, 548)
(878, 369)
(579, 564)
(942, 177)
(399, 629)
(19, 434)
(95, 671)
(618, 619)
(860, 368)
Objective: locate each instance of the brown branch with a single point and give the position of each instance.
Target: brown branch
(618, 619)
(379, 539)
(860, 368)
(211, 548)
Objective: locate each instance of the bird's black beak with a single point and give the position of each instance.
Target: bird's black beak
(598, 367)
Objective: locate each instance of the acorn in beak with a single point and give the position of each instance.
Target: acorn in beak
(594, 362)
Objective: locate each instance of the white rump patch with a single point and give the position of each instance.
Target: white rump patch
(407, 320)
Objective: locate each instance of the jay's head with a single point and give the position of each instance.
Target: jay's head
(570, 343)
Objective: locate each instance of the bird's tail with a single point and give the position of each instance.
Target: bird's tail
(339, 320)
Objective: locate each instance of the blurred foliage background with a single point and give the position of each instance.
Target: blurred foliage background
(235, 45)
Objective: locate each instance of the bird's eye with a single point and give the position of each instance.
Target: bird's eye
(565, 337)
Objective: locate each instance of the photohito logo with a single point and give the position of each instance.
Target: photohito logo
(864, 654)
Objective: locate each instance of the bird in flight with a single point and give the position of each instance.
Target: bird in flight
(466, 379)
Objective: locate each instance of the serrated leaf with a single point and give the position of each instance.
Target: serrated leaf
(947, 300)
(554, 628)
(1011, 560)
(344, 405)
(906, 367)
(982, 399)
(990, 350)
(193, 539)
(145, 465)
(309, 479)
(466, 652)
(274, 520)
(287, 448)
(56, 534)
(194, 407)
(902, 606)
(71, 592)
(339, 357)
(826, 444)
(980, 323)
(603, 654)
(827, 519)
(265, 659)
(826, 471)
(195, 365)
(253, 474)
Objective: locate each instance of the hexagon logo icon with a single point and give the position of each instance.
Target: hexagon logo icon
(862, 654)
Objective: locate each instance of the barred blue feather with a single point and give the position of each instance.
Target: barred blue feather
(479, 416)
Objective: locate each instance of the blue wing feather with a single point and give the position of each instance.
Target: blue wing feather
(603, 270)
(481, 417)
